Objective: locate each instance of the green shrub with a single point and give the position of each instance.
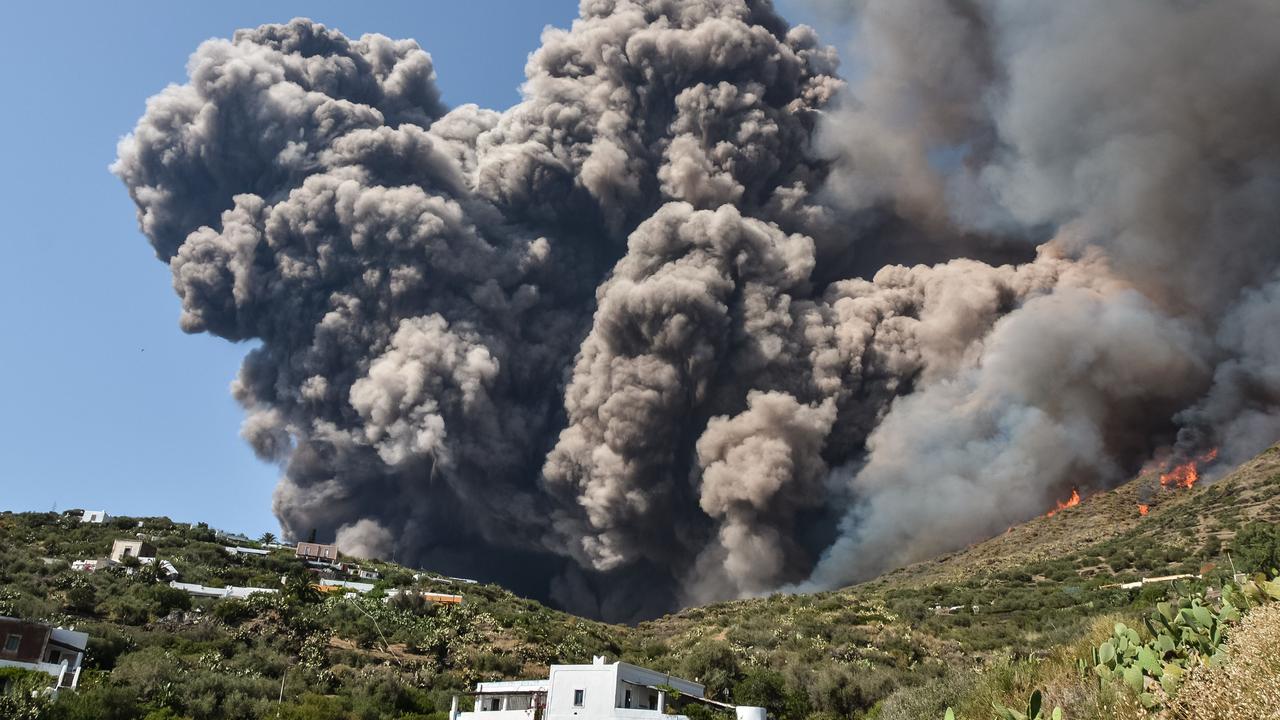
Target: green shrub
(96, 702)
(1256, 548)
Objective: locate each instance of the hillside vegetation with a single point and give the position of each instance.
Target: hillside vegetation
(987, 624)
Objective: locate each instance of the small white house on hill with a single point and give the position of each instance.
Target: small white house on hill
(97, 517)
(599, 691)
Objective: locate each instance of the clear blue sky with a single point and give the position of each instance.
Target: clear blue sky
(106, 404)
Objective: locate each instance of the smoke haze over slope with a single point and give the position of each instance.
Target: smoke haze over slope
(698, 320)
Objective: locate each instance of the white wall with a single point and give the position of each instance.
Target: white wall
(599, 684)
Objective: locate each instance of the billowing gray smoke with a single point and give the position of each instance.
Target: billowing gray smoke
(695, 320)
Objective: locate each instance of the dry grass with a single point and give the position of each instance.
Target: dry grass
(1248, 684)
(1010, 682)
(1177, 518)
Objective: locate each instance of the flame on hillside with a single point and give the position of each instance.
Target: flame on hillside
(1143, 509)
(1186, 474)
(1069, 502)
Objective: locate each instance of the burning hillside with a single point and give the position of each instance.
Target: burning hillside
(1063, 504)
(1187, 473)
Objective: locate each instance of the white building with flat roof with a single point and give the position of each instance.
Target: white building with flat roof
(599, 691)
(231, 592)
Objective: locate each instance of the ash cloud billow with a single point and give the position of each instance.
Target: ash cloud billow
(698, 319)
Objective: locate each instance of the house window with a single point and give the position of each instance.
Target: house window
(579, 697)
(626, 698)
(495, 704)
(55, 657)
(12, 642)
(653, 701)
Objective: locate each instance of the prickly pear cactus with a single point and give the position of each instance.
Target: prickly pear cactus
(1180, 635)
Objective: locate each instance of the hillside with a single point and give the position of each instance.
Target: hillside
(153, 646)
(909, 636)
(1187, 521)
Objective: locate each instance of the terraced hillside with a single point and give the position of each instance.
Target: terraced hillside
(906, 643)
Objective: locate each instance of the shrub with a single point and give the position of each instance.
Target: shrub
(1256, 548)
(20, 694)
(713, 664)
(82, 599)
(768, 689)
(232, 612)
(96, 702)
(928, 700)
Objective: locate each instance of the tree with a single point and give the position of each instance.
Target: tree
(267, 538)
(298, 588)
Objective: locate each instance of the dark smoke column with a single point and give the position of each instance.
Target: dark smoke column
(310, 192)
(418, 279)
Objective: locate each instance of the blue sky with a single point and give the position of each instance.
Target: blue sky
(106, 403)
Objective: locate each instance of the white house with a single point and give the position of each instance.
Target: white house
(598, 691)
(96, 517)
(121, 549)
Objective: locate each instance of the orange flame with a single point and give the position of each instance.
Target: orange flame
(1188, 473)
(1143, 509)
(1069, 502)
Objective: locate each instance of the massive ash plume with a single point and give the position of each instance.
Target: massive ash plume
(1148, 150)
(697, 320)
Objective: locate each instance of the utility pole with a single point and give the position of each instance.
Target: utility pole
(280, 700)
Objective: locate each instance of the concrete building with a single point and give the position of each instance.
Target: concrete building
(238, 538)
(35, 646)
(329, 585)
(97, 517)
(231, 592)
(238, 550)
(317, 551)
(122, 549)
(598, 691)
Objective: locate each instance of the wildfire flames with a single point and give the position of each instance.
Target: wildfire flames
(1143, 509)
(1186, 474)
(1069, 502)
